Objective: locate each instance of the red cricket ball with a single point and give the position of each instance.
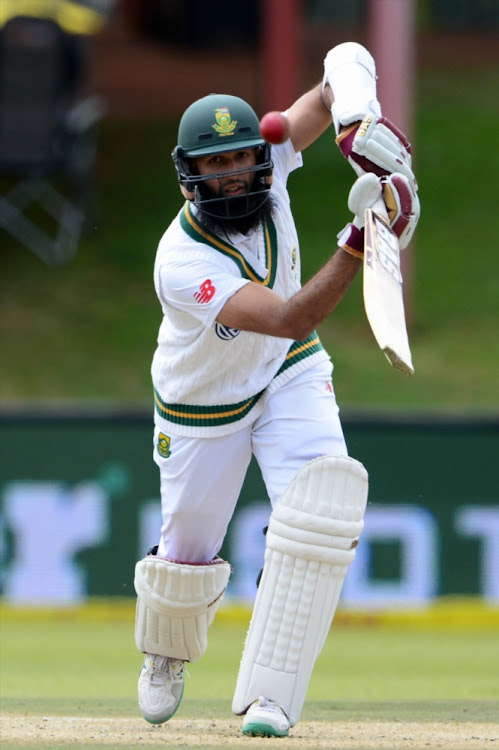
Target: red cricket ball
(274, 127)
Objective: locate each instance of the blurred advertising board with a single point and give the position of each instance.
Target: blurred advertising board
(79, 501)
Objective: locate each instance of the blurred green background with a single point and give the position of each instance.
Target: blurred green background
(87, 331)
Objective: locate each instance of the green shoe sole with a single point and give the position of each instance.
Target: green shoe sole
(257, 729)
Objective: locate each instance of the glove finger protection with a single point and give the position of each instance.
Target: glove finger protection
(378, 146)
(363, 194)
(403, 207)
(402, 203)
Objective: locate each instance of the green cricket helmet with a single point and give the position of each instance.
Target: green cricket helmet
(212, 125)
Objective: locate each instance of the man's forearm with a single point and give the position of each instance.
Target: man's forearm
(321, 294)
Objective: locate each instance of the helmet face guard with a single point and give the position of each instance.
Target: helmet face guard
(222, 205)
(220, 123)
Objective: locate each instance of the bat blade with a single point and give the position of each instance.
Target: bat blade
(383, 296)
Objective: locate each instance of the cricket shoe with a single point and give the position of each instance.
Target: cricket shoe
(161, 686)
(265, 718)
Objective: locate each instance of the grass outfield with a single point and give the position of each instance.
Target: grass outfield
(375, 674)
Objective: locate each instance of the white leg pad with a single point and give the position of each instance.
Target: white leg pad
(311, 540)
(176, 604)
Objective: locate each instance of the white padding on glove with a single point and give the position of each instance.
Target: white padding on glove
(402, 205)
(311, 541)
(351, 72)
(176, 604)
(378, 146)
(363, 194)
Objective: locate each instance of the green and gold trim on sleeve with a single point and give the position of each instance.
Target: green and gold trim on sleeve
(193, 227)
(301, 350)
(204, 416)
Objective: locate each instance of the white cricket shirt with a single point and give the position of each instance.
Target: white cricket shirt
(208, 379)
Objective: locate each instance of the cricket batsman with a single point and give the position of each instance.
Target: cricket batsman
(239, 371)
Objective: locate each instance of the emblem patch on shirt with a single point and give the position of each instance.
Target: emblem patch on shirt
(163, 445)
(293, 259)
(205, 292)
(225, 333)
(224, 125)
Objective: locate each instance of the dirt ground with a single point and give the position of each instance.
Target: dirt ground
(53, 731)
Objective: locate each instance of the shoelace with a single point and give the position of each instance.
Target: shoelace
(266, 703)
(176, 669)
(160, 667)
(270, 706)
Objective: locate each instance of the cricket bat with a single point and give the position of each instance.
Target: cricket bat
(383, 297)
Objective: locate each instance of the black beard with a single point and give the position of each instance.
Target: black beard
(243, 224)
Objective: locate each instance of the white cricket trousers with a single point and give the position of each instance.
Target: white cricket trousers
(201, 478)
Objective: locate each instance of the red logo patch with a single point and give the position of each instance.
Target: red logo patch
(205, 292)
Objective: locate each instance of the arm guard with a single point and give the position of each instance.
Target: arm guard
(350, 71)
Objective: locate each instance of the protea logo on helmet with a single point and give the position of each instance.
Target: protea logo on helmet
(224, 125)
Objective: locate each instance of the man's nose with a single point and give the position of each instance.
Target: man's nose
(230, 165)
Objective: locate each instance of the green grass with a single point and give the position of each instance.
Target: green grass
(73, 664)
(88, 331)
(90, 667)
